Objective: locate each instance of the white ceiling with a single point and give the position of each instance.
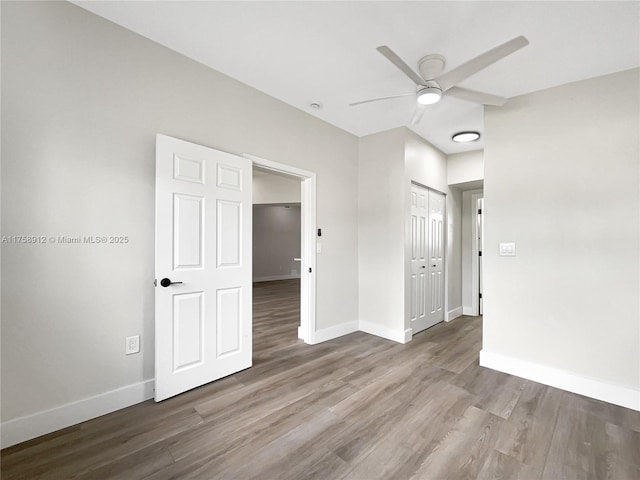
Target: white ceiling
(303, 52)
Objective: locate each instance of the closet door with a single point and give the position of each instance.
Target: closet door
(435, 297)
(426, 244)
(418, 245)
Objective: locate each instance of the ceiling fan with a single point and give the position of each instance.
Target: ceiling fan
(432, 83)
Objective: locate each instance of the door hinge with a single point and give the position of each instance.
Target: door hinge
(479, 211)
(310, 270)
(480, 295)
(480, 253)
(155, 282)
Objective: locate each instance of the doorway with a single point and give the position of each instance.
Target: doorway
(276, 261)
(307, 258)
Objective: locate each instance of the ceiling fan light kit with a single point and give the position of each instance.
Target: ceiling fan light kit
(429, 95)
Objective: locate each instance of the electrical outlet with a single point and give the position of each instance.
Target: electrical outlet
(132, 345)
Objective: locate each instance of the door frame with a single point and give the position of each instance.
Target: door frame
(475, 251)
(407, 254)
(307, 328)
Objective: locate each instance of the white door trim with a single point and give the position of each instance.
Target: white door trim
(307, 328)
(475, 249)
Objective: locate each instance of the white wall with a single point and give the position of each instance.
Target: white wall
(82, 101)
(272, 188)
(276, 242)
(427, 165)
(465, 167)
(389, 162)
(562, 169)
(381, 203)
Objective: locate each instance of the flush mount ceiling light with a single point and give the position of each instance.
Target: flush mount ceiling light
(465, 137)
(429, 95)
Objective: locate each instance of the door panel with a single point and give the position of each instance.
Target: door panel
(229, 230)
(418, 261)
(188, 319)
(203, 241)
(187, 231)
(436, 257)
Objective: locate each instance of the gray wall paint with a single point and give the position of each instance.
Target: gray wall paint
(276, 241)
(270, 188)
(561, 180)
(82, 101)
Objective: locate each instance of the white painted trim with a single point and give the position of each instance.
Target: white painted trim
(336, 331)
(408, 335)
(307, 328)
(455, 313)
(385, 332)
(475, 271)
(308, 263)
(31, 426)
(272, 278)
(562, 379)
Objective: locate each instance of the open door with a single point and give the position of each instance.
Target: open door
(203, 265)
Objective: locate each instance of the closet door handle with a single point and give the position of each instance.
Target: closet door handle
(165, 282)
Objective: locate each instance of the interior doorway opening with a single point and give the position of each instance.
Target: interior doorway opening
(305, 261)
(276, 261)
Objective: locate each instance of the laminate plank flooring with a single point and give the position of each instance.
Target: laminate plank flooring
(355, 408)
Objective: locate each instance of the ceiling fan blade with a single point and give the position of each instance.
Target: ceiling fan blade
(381, 98)
(477, 97)
(473, 66)
(398, 62)
(418, 113)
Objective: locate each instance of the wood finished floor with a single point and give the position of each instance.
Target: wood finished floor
(358, 407)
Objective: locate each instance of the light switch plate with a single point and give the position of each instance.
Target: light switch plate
(507, 249)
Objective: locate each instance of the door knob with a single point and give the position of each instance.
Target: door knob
(423, 266)
(433, 265)
(165, 282)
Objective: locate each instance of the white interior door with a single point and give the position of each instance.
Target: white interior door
(203, 265)
(435, 297)
(419, 281)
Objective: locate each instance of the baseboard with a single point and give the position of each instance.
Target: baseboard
(571, 382)
(385, 332)
(334, 332)
(455, 313)
(271, 278)
(468, 311)
(408, 335)
(31, 426)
